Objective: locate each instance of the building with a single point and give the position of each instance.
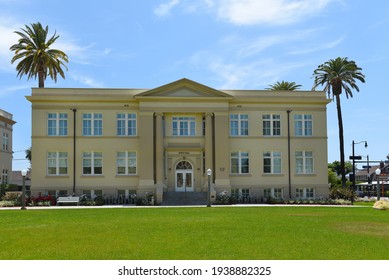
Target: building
(368, 179)
(6, 124)
(115, 142)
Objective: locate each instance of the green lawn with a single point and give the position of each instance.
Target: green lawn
(245, 233)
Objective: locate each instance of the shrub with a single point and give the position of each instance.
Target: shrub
(381, 205)
(148, 200)
(223, 198)
(7, 203)
(342, 193)
(8, 188)
(275, 200)
(45, 200)
(11, 196)
(96, 201)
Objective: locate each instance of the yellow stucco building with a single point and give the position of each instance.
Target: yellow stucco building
(6, 128)
(116, 142)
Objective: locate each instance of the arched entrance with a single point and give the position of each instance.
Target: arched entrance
(184, 177)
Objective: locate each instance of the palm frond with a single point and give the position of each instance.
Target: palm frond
(283, 85)
(34, 54)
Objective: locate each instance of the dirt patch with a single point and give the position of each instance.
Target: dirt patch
(306, 215)
(371, 229)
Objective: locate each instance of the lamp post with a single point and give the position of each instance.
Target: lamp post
(378, 173)
(24, 173)
(353, 158)
(209, 173)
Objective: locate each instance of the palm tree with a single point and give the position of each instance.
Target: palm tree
(28, 154)
(284, 86)
(337, 75)
(36, 57)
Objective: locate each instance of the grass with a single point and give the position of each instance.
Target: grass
(244, 233)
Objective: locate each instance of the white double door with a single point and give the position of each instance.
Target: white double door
(184, 181)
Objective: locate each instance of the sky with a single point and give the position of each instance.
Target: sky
(224, 44)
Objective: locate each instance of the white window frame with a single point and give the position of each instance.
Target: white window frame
(184, 126)
(304, 162)
(58, 161)
(271, 125)
(57, 124)
(96, 161)
(275, 158)
(92, 124)
(5, 141)
(240, 157)
(126, 160)
(239, 125)
(126, 124)
(305, 193)
(4, 177)
(240, 192)
(273, 192)
(303, 125)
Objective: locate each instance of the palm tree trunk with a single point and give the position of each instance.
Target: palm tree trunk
(341, 140)
(41, 79)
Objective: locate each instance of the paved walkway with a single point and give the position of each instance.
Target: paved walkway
(179, 206)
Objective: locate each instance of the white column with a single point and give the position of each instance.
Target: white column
(208, 141)
(159, 157)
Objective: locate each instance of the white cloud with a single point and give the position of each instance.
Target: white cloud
(164, 9)
(322, 46)
(8, 91)
(86, 80)
(250, 12)
(272, 12)
(233, 73)
(8, 38)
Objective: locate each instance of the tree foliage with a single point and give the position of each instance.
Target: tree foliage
(338, 75)
(35, 56)
(283, 85)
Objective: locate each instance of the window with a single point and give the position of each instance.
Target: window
(126, 163)
(239, 124)
(304, 162)
(4, 177)
(126, 124)
(92, 163)
(92, 124)
(273, 192)
(271, 125)
(303, 125)
(272, 162)
(239, 162)
(5, 141)
(305, 193)
(184, 126)
(57, 124)
(240, 193)
(57, 163)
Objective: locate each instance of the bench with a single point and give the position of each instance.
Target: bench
(68, 199)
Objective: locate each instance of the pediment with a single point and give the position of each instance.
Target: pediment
(184, 88)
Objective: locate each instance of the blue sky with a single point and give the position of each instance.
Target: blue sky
(224, 44)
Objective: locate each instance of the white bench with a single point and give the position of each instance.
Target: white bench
(68, 199)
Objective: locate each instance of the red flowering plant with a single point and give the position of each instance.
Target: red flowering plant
(45, 200)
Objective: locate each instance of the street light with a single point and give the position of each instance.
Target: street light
(24, 173)
(354, 158)
(378, 173)
(209, 173)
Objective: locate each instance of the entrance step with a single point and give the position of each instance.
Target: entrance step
(182, 198)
